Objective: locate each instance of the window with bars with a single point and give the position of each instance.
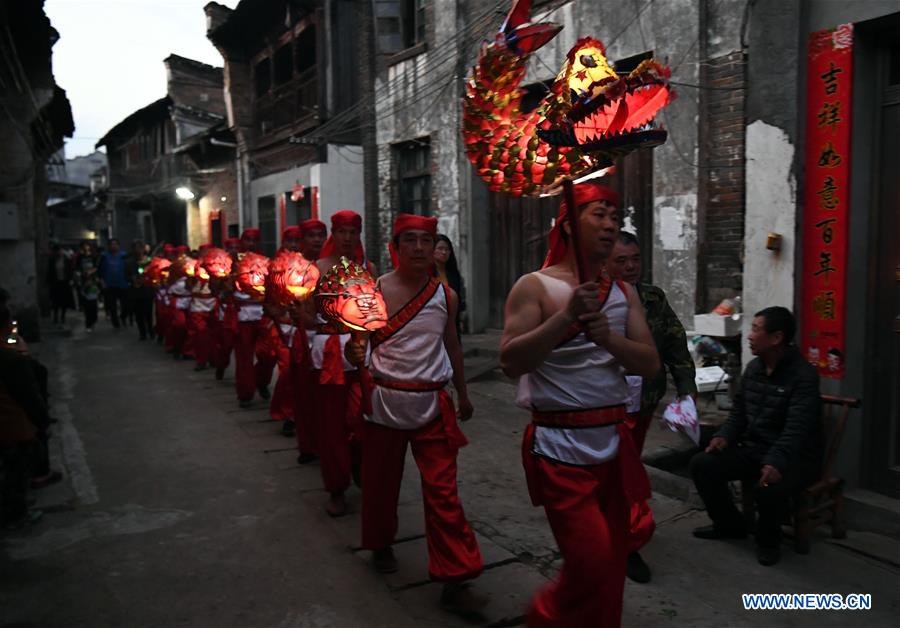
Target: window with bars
(413, 164)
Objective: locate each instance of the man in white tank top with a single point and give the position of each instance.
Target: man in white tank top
(413, 359)
(570, 342)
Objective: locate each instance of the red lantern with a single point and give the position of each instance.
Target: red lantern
(348, 295)
(217, 262)
(157, 271)
(291, 278)
(252, 269)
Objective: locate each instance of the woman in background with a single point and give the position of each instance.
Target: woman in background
(448, 272)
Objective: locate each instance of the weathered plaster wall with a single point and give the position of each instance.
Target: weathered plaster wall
(771, 203)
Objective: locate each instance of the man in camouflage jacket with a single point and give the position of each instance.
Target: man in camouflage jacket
(646, 393)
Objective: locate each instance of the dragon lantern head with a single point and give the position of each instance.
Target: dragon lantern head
(252, 269)
(590, 116)
(157, 271)
(348, 295)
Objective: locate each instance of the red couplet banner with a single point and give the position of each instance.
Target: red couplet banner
(829, 95)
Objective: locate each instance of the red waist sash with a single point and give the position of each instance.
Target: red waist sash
(635, 482)
(595, 417)
(455, 436)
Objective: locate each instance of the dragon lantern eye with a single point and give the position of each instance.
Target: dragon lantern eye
(588, 61)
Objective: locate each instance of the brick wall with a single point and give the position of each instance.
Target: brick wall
(722, 178)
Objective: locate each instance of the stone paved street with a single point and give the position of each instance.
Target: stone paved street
(179, 509)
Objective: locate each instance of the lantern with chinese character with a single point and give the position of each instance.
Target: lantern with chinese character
(347, 295)
(217, 262)
(156, 272)
(291, 278)
(252, 269)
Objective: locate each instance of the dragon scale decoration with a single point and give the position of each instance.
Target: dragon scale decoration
(590, 116)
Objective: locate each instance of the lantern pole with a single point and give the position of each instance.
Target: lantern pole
(572, 217)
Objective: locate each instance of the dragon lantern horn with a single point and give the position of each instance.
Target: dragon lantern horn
(520, 35)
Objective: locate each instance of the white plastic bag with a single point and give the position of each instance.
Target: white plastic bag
(681, 416)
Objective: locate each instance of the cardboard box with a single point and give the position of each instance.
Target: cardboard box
(720, 326)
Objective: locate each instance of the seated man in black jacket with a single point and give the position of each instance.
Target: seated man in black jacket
(772, 437)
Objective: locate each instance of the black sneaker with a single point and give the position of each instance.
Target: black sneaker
(384, 560)
(356, 474)
(306, 458)
(245, 403)
(637, 569)
(712, 532)
(264, 392)
(460, 599)
(220, 374)
(768, 556)
(287, 429)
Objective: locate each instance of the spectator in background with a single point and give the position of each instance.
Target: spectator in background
(90, 296)
(448, 272)
(140, 295)
(773, 437)
(645, 393)
(60, 276)
(114, 280)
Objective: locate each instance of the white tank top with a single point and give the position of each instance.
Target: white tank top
(578, 375)
(248, 309)
(181, 293)
(415, 353)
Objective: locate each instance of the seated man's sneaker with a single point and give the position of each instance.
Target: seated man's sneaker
(712, 532)
(637, 569)
(768, 556)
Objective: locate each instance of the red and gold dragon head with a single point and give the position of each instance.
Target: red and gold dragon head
(347, 294)
(183, 266)
(590, 116)
(252, 269)
(292, 278)
(157, 271)
(217, 262)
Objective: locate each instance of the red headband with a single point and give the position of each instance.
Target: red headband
(311, 224)
(251, 232)
(291, 232)
(204, 247)
(168, 248)
(344, 218)
(234, 242)
(584, 193)
(182, 249)
(411, 222)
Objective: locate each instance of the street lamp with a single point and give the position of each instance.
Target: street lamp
(184, 193)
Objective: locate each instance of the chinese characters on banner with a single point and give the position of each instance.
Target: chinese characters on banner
(826, 198)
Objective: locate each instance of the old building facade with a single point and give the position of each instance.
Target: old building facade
(155, 186)
(290, 73)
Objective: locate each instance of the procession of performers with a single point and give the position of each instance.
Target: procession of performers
(357, 395)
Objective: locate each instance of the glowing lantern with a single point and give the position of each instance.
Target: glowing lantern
(291, 278)
(157, 271)
(590, 116)
(347, 295)
(217, 262)
(252, 269)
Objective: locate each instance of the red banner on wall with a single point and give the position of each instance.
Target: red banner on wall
(829, 96)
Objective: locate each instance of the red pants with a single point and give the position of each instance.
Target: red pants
(453, 552)
(642, 525)
(303, 389)
(223, 337)
(176, 331)
(197, 342)
(282, 406)
(249, 376)
(588, 512)
(162, 318)
(337, 417)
